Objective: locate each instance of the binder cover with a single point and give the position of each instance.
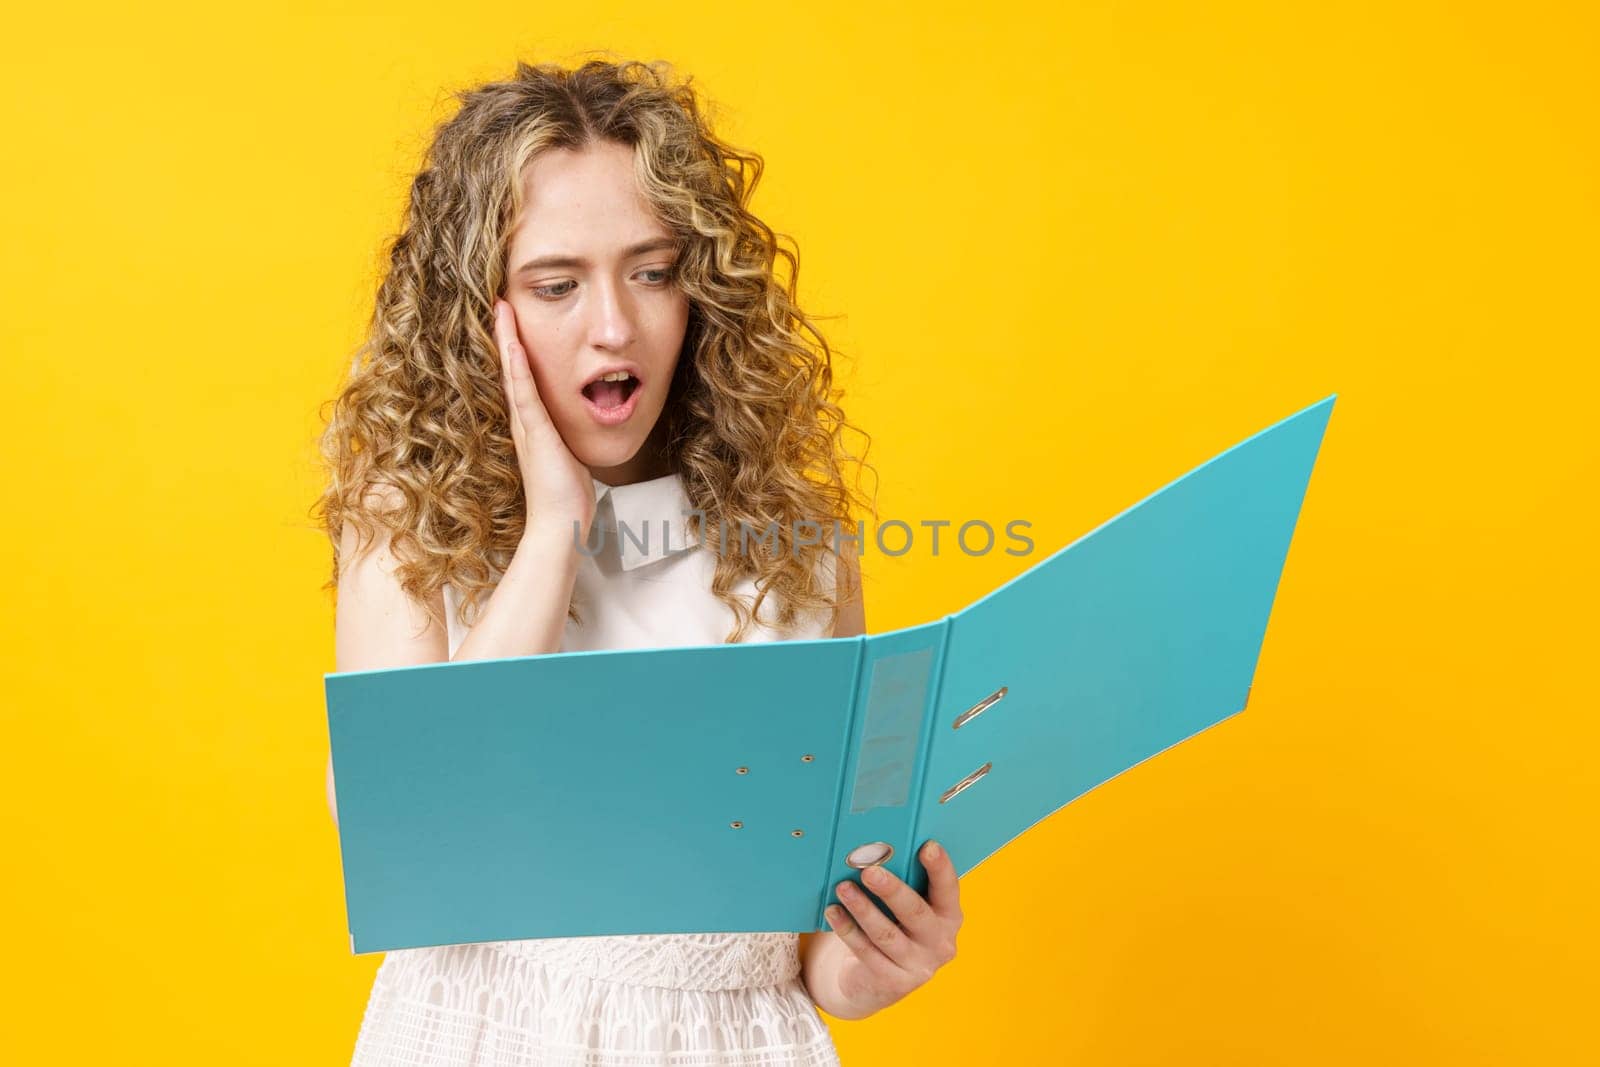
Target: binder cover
(730, 787)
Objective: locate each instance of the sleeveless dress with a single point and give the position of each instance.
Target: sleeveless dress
(683, 999)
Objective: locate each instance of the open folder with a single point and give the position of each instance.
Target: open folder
(730, 787)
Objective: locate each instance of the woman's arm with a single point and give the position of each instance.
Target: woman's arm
(820, 953)
(377, 626)
(527, 613)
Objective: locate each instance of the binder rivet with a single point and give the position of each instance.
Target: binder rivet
(807, 758)
(736, 824)
(797, 833)
(742, 770)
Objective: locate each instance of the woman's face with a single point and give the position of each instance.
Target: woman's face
(590, 279)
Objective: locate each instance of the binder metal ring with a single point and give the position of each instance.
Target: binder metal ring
(967, 781)
(979, 708)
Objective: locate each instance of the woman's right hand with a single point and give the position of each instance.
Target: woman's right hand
(558, 489)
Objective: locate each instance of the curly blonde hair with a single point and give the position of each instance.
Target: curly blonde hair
(419, 440)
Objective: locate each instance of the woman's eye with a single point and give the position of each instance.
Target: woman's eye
(549, 291)
(556, 290)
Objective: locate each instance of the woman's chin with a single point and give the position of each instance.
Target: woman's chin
(611, 449)
(607, 448)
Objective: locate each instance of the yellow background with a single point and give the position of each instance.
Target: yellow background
(1069, 256)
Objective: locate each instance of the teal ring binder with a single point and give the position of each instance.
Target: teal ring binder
(587, 793)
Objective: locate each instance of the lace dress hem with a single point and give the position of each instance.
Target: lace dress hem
(511, 1004)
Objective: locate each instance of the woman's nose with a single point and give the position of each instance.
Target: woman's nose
(613, 325)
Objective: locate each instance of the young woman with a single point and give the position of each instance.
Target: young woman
(580, 326)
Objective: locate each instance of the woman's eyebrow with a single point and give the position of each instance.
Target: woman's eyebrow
(655, 245)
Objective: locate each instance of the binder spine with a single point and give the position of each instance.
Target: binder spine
(914, 875)
(846, 765)
(897, 678)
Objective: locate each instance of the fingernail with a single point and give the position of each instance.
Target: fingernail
(932, 851)
(875, 876)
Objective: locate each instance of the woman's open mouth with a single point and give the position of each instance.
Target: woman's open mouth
(612, 397)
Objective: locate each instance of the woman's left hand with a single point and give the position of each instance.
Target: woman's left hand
(890, 959)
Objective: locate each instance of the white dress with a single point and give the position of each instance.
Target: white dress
(682, 999)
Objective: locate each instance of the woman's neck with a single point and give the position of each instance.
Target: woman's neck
(646, 464)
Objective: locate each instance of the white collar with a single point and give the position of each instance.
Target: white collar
(652, 511)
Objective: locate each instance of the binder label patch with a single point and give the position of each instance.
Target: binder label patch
(896, 697)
